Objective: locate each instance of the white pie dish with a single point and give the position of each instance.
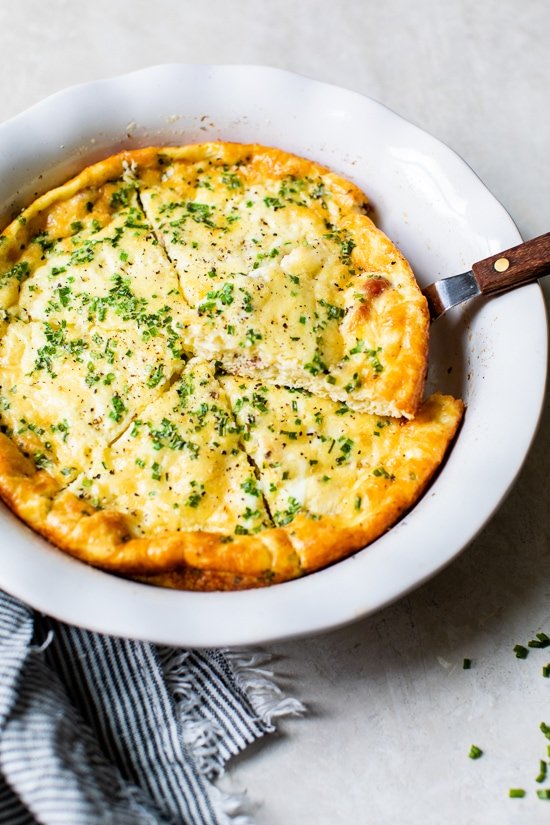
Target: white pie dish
(442, 217)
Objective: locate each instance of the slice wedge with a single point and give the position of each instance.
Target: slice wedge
(335, 479)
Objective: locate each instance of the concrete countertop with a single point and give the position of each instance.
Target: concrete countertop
(391, 711)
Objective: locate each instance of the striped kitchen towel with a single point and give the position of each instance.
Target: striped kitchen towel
(95, 729)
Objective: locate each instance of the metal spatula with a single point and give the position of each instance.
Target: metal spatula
(507, 270)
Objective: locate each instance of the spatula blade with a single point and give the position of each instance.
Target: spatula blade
(449, 292)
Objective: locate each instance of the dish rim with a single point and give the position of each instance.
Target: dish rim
(224, 618)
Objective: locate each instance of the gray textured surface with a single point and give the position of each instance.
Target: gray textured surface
(392, 712)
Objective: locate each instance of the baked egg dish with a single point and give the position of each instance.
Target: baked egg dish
(212, 367)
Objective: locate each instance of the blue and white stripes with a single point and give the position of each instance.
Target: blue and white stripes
(97, 730)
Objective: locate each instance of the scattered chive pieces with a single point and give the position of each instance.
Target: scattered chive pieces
(542, 771)
(466, 664)
(546, 671)
(521, 651)
(543, 793)
(516, 793)
(542, 637)
(475, 752)
(545, 729)
(548, 750)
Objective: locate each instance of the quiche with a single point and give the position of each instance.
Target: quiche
(212, 367)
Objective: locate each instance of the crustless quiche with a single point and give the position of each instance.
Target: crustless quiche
(211, 368)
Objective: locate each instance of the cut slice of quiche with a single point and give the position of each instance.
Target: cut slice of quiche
(333, 478)
(103, 269)
(287, 275)
(92, 319)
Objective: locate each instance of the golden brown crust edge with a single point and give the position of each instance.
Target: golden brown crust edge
(204, 561)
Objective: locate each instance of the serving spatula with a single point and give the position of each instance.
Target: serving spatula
(507, 270)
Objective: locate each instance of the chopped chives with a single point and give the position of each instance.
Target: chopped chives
(466, 664)
(542, 771)
(546, 671)
(516, 793)
(545, 729)
(542, 640)
(475, 752)
(543, 793)
(521, 651)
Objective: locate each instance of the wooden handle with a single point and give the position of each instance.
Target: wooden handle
(520, 265)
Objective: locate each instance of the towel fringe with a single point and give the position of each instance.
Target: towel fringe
(202, 736)
(45, 644)
(231, 808)
(265, 696)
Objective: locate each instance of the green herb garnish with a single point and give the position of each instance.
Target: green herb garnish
(118, 408)
(543, 770)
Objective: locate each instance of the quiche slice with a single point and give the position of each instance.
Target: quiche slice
(335, 479)
(286, 274)
(85, 257)
(92, 319)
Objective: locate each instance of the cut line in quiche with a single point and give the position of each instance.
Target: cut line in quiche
(211, 368)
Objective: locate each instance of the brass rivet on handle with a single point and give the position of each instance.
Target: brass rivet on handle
(501, 265)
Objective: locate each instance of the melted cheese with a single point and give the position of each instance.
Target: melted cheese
(113, 275)
(179, 466)
(63, 394)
